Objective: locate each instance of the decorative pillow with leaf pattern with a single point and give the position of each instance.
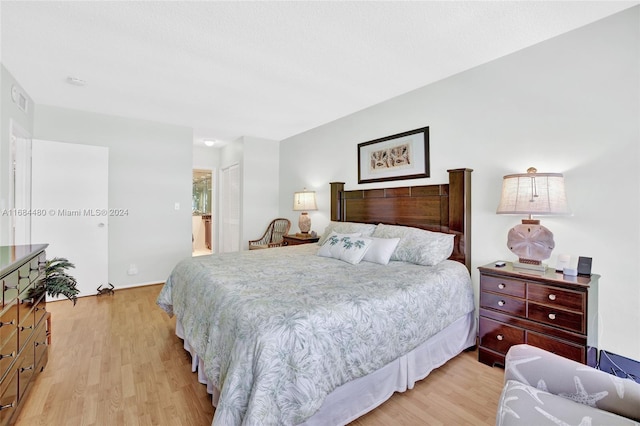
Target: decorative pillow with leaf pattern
(345, 247)
(364, 229)
(417, 246)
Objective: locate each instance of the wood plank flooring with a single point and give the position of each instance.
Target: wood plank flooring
(115, 360)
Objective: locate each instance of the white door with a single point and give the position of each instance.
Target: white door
(70, 189)
(230, 209)
(20, 185)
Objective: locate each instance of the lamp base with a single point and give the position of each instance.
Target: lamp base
(304, 223)
(542, 267)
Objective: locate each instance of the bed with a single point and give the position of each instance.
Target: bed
(285, 336)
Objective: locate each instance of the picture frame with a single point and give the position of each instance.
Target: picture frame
(396, 157)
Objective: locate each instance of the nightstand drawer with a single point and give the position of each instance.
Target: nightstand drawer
(499, 337)
(556, 317)
(556, 346)
(556, 297)
(502, 285)
(503, 303)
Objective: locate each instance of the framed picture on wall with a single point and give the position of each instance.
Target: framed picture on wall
(395, 157)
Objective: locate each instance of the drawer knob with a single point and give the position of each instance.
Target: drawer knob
(501, 286)
(11, 355)
(4, 407)
(500, 337)
(552, 297)
(7, 323)
(501, 303)
(552, 316)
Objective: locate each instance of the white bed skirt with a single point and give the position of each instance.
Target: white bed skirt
(354, 399)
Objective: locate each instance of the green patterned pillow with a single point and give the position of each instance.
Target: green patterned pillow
(364, 229)
(417, 246)
(345, 247)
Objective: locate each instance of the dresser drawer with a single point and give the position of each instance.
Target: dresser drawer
(502, 285)
(565, 349)
(35, 268)
(503, 303)
(10, 287)
(8, 396)
(557, 317)
(498, 336)
(39, 310)
(40, 346)
(27, 368)
(556, 297)
(24, 270)
(8, 322)
(8, 354)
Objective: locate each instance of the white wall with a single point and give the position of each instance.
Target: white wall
(260, 192)
(150, 169)
(569, 105)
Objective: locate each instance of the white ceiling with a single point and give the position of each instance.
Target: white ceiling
(262, 69)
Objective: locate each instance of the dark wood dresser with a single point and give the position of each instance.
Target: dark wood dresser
(23, 329)
(552, 311)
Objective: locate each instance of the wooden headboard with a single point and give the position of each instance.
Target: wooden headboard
(442, 208)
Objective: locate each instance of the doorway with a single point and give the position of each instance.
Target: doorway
(70, 184)
(201, 207)
(20, 185)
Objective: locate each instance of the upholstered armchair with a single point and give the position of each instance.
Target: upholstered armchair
(272, 236)
(542, 388)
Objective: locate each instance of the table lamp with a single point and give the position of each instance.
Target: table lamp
(532, 193)
(303, 202)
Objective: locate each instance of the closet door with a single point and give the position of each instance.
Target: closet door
(70, 184)
(230, 209)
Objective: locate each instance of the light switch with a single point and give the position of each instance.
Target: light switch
(176, 206)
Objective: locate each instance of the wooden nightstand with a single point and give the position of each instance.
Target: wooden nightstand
(293, 240)
(549, 310)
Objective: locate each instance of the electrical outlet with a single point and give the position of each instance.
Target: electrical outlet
(133, 269)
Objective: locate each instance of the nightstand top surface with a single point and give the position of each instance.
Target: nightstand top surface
(549, 275)
(295, 237)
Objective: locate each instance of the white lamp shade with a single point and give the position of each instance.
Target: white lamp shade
(533, 194)
(304, 201)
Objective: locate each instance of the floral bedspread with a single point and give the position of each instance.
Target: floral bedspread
(279, 329)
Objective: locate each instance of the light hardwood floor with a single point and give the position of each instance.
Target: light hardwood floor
(115, 360)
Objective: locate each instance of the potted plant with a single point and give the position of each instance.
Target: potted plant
(56, 281)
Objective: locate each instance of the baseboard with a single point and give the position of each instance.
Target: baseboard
(122, 287)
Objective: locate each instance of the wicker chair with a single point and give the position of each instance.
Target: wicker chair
(272, 237)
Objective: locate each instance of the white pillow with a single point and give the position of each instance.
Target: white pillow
(417, 246)
(345, 247)
(381, 250)
(364, 229)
